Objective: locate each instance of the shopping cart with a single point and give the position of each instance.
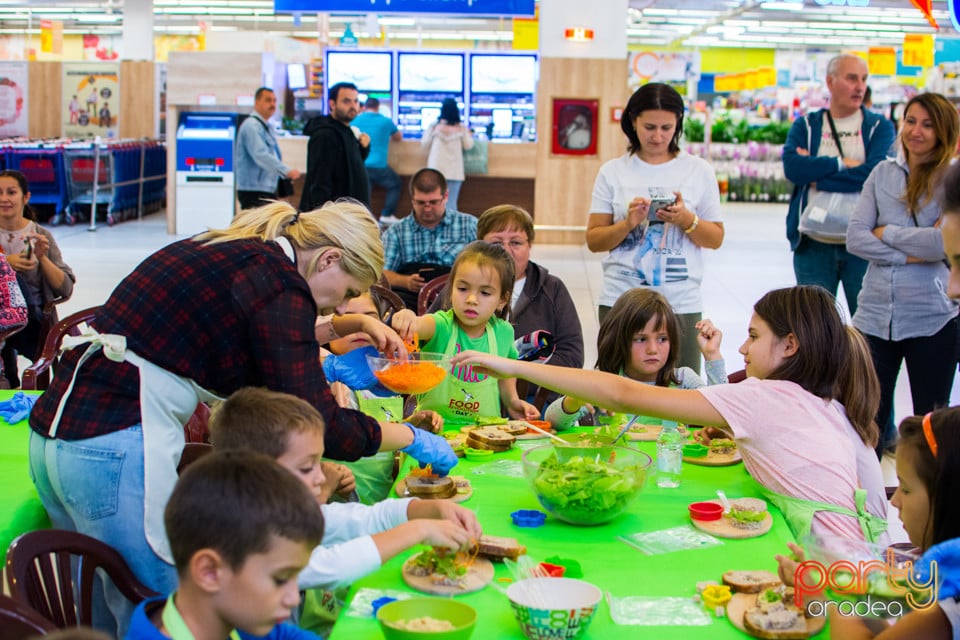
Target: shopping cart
(44, 169)
(84, 168)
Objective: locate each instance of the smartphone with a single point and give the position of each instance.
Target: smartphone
(29, 251)
(428, 273)
(658, 203)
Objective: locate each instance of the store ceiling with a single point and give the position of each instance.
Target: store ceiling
(704, 23)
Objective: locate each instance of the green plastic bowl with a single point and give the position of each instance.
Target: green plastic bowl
(462, 616)
(695, 450)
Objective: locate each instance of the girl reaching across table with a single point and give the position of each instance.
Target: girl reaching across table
(640, 340)
(792, 418)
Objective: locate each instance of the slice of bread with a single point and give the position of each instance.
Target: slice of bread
(514, 428)
(779, 623)
(492, 436)
(750, 581)
(498, 547)
(430, 487)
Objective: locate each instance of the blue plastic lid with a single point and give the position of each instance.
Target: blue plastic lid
(528, 518)
(379, 602)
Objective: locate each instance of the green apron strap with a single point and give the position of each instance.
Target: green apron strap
(799, 513)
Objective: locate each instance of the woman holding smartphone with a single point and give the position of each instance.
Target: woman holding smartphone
(34, 255)
(653, 209)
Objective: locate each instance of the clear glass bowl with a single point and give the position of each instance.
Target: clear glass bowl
(417, 373)
(588, 489)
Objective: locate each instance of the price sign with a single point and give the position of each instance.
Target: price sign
(917, 50)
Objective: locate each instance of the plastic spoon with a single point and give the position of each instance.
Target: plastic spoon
(546, 433)
(625, 428)
(724, 501)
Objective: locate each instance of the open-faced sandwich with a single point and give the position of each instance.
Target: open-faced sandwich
(442, 566)
(498, 548)
(747, 513)
(457, 442)
(775, 617)
(723, 446)
(430, 487)
(751, 581)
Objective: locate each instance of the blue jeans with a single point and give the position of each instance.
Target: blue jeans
(453, 187)
(388, 179)
(95, 486)
(828, 265)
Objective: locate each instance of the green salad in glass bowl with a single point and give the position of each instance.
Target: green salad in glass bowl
(591, 488)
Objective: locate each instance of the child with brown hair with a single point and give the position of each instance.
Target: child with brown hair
(358, 538)
(640, 339)
(240, 529)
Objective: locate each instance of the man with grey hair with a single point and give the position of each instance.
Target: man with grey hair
(833, 150)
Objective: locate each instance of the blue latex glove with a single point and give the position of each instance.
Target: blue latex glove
(353, 370)
(430, 449)
(17, 408)
(947, 556)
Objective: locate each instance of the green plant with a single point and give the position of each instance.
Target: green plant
(693, 130)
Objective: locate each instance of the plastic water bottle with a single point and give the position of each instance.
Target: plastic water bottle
(669, 455)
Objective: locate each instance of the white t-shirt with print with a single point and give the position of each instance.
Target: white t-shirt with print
(850, 132)
(658, 256)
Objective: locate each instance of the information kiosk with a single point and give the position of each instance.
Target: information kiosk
(206, 189)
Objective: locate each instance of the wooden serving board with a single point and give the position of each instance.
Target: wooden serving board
(716, 459)
(650, 433)
(401, 489)
(741, 602)
(478, 576)
(723, 528)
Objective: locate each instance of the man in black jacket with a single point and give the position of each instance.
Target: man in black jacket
(336, 152)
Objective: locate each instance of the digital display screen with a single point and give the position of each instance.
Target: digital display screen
(370, 71)
(493, 8)
(296, 76)
(433, 72)
(428, 117)
(503, 74)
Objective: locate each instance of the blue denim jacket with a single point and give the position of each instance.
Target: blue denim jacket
(258, 157)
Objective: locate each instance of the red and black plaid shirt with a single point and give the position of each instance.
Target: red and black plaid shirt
(227, 315)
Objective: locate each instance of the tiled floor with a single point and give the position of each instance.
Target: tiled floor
(755, 258)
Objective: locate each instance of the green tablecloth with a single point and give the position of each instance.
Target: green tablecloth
(606, 561)
(20, 507)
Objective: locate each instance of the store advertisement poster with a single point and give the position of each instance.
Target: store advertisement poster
(13, 99)
(91, 99)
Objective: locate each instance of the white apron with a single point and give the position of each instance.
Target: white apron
(166, 403)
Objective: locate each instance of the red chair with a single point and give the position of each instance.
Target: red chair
(37, 375)
(18, 622)
(429, 293)
(40, 574)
